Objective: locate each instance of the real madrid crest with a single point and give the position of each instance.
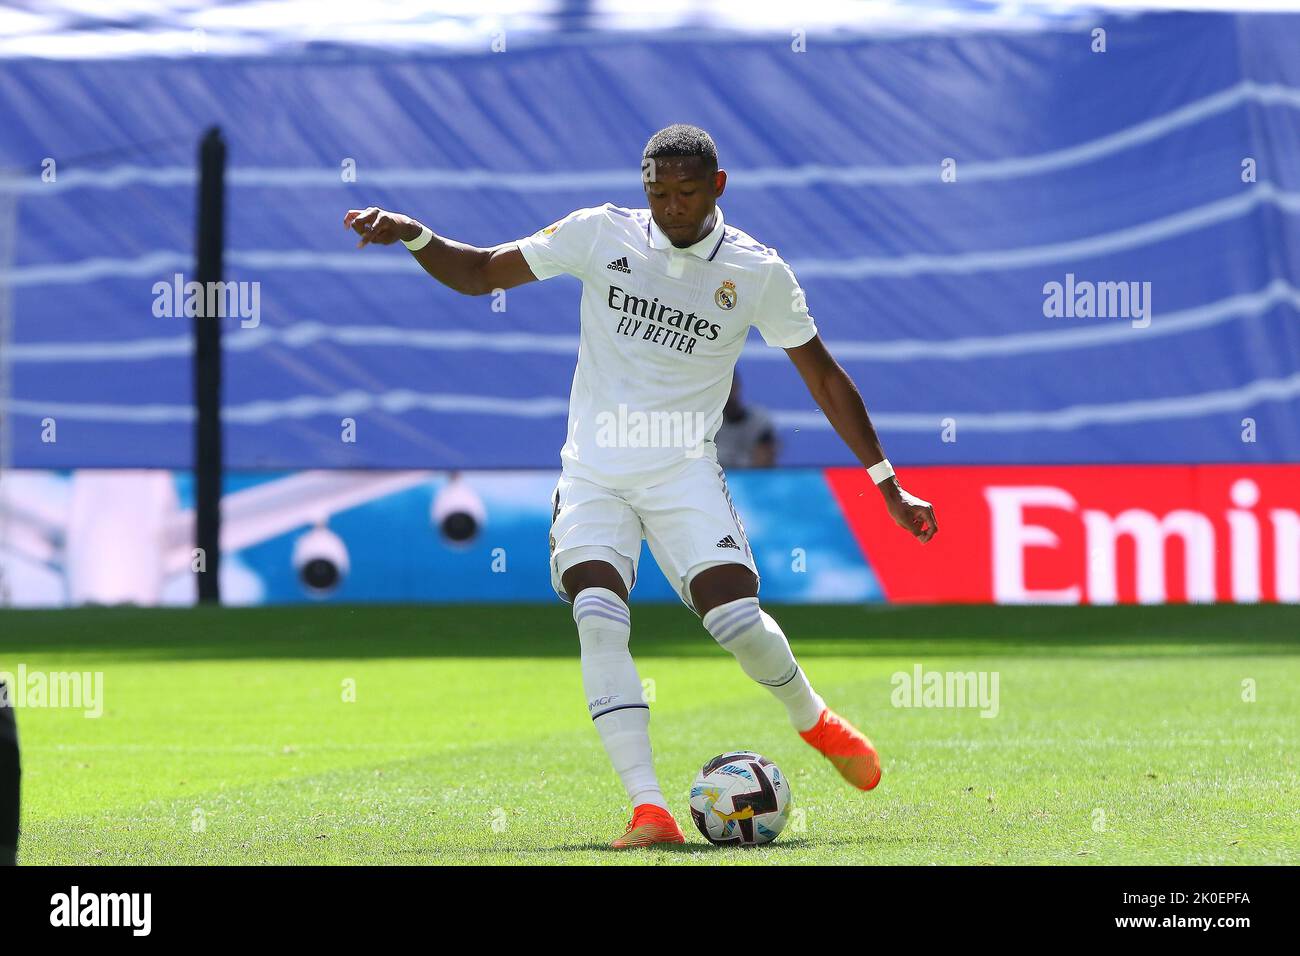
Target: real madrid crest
(725, 297)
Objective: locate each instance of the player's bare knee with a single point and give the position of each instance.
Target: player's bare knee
(593, 574)
(720, 585)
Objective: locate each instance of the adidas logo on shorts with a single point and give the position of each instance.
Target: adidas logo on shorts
(728, 542)
(620, 265)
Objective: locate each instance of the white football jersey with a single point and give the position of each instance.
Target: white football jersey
(661, 329)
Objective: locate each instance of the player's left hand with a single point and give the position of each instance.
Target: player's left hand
(909, 512)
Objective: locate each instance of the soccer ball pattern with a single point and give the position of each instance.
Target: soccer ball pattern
(740, 799)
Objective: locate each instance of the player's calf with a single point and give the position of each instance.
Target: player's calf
(760, 647)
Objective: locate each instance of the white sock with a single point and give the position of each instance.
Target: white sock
(613, 689)
(759, 644)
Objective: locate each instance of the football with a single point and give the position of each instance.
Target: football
(740, 799)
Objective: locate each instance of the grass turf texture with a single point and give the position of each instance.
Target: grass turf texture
(1122, 736)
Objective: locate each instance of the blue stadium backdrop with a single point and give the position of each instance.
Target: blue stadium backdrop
(1169, 159)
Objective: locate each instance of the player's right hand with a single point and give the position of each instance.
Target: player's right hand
(375, 225)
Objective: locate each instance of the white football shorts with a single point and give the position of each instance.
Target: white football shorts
(689, 521)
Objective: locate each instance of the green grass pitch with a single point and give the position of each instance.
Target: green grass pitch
(1123, 735)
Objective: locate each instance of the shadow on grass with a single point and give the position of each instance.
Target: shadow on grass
(783, 844)
(513, 630)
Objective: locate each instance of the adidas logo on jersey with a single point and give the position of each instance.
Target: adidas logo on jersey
(620, 265)
(728, 542)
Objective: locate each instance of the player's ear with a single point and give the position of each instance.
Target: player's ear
(719, 182)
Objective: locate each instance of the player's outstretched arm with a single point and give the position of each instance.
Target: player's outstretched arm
(466, 269)
(839, 400)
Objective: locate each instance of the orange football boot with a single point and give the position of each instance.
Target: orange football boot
(650, 825)
(847, 748)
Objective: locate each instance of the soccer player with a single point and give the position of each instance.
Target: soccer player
(668, 296)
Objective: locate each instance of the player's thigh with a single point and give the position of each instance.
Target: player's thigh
(594, 532)
(692, 526)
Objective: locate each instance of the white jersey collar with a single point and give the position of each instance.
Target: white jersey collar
(705, 249)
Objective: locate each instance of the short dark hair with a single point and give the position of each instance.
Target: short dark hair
(682, 140)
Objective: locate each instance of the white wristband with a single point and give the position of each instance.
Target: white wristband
(880, 471)
(420, 241)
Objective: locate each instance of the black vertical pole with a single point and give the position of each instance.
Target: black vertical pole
(9, 780)
(207, 365)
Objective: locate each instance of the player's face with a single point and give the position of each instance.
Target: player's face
(682, 193)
